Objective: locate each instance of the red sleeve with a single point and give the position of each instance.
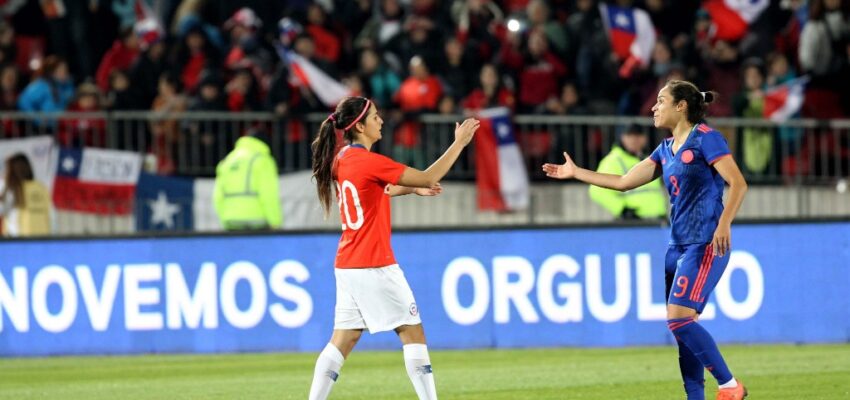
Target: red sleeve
(384, 170)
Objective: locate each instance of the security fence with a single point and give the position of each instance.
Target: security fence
(797, 168)
(189, 143)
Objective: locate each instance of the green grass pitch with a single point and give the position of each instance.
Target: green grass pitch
(771, 372)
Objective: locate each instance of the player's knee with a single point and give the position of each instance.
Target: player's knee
(676, 312)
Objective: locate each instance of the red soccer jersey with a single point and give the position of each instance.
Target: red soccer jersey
(364, 209)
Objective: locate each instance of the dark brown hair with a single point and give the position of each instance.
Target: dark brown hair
(697, 101)
(325, 146)
(18, 171)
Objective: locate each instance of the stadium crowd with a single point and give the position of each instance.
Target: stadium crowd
(410, 56)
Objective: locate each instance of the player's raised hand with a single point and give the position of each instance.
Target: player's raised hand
(464, 132)
(431, 191)
(566, 170)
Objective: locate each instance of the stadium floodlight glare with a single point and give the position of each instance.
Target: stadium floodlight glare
(514, 25)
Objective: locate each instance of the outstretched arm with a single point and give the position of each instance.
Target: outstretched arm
(428, 178)
(641, 174)
(728, 169)
(396, 190)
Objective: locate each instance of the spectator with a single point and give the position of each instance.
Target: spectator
(479, 23)
(127, 135)
(120, 97)
(778, 69)
(457, 70)
(419, 38)
(9, 87)
(779, 72)
(242, 92)
(380, 81)
(756, 143)
(308, 101)
(328, 46)
(204, 135)
(209, 97)
(84, 130)
(9, 90)
(569, 102)
(165, 127)
(149, 67)
(246, 50)
(823, 55)
(420, 93)
(193, 55)
(447, 106)
(383, 28)
(644, 202)
(490, 93)
(51, 90)
(723, 75)
(540, 77)
(8, 50)
(589, 48)
(539, 18)
(121, 56)
(24, 202)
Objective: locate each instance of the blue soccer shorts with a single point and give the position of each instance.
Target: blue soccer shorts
(691, 273)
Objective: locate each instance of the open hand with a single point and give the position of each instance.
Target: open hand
(566, 170)
(464, 132)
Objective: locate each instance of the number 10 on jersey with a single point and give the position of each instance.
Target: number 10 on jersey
(347, 188)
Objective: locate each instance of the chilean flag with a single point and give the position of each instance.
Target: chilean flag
(782, 101)
(500, 173)
(630, 31)
(305, 73)
(96, 181)
(732, 18)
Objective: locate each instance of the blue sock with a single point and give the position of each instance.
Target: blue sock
(701, 344)
(692, 373)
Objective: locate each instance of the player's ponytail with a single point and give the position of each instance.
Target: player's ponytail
(348, 113)
(697, 101)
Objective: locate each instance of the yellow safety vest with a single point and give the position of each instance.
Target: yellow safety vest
(246, 187)
(648, 200)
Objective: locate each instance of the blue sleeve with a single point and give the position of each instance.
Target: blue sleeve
(656, 154)
(32, 96)
(714, 146)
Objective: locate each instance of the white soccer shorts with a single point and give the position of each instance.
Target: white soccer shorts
(376, 299)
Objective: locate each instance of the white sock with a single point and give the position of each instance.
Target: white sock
(327, 370)
(419, 370)
(732, 383)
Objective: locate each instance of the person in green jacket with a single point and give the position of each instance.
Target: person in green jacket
(246, 186)
(645, 202)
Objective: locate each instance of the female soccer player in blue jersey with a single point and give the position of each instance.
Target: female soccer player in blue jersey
(695, 163)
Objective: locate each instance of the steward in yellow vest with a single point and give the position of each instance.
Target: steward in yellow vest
(246, 187)
(644, 202)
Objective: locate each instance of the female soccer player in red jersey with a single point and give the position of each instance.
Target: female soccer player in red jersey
(371, 290)
(695, 164)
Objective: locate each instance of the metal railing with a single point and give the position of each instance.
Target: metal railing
(188, 143)
(797, 169)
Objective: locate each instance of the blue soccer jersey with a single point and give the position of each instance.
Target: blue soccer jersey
(695, 187)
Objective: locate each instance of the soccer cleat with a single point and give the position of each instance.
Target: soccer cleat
(736, 393)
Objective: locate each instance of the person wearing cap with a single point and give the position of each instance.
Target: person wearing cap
(246, 189)
(644, 202)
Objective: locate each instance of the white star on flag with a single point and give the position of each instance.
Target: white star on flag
(162, 211)
(503, 130)
(68, 163)
(621, 20)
